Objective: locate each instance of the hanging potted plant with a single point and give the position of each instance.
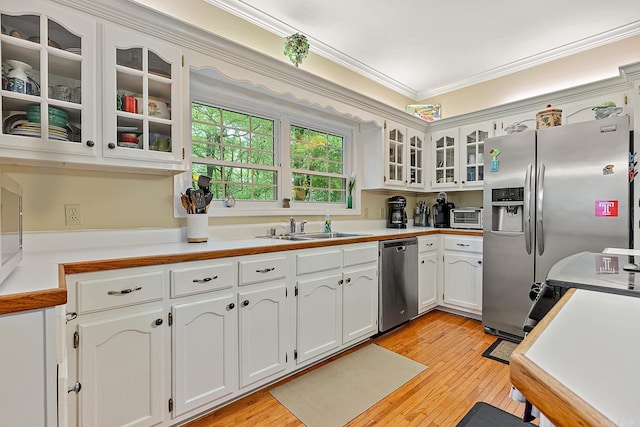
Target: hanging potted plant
(296, 48)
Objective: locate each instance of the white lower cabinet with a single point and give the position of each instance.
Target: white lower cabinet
(121, 368)
(28, 374)
(427, 273)
(204, 348)
(337, 298)
(462, 273)
(263, 332)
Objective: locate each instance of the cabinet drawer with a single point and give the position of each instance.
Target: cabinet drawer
(262, 270)
(204, 278)
(463, 244)
(318, 260)
(360, 254)
(119, 291)
(427, 244)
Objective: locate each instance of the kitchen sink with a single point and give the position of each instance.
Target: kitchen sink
(312, 236)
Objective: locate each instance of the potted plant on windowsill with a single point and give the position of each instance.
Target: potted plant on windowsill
(301, 185)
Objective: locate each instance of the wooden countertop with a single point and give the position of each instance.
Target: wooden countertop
(579, 364)
(39, 281)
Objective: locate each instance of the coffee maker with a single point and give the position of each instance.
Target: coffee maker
(397, 217)
(442, 211)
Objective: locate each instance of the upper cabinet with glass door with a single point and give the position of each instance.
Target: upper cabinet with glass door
(402, 159)
(445, 158)
(47, 66)
(472, 154)
(141, 98)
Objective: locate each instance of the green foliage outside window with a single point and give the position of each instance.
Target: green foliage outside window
(238, 152)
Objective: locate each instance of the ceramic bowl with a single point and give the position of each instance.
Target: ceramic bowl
(57, 117)
(157, 108)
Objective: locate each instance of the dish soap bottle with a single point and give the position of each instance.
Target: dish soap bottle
(327, 223)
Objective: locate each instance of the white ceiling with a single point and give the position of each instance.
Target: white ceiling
(421, 48)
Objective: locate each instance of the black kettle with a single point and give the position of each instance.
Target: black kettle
(442, 211)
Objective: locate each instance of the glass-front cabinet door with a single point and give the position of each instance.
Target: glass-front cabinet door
(48, 83)
(142, 105)
(415, 157)
(445, 167)
(396, 146)
(472, 153)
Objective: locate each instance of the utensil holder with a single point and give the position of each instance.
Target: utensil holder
(197, 228)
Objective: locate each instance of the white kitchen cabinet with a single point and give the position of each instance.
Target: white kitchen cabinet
(472, 153)
(458, 156)
(117, 351)
(359, 303)
(263, 331)
(319, 318)
(444, 156)
(204, 348)
(462, 273)
(400, 164)
(427, 273)
(28, 374)
(121, 365)
(143, 82)
(337, 298)
(61, 79)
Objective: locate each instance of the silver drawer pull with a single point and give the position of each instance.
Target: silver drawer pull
(125, 291)
(462, 244)
(205, 280)
(265, 270)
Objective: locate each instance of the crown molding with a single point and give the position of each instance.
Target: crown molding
(162, 27)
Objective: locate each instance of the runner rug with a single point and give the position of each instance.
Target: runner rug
(339, 391)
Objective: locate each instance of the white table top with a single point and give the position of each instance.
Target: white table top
(592, 347)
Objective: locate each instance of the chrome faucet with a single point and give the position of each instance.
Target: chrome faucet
(302, 223)
(292, 224)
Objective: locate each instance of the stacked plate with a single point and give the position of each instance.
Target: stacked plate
(25, 128)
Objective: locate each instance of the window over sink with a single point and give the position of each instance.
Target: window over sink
(262, 153)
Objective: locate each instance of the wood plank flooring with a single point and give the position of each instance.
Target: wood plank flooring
(457, 377)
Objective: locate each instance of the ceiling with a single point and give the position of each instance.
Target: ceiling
(422, 48)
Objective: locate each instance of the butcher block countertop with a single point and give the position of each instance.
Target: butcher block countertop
(39, 280)
(579, 365)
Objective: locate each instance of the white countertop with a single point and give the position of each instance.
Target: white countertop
(43, 252)
(592, 347)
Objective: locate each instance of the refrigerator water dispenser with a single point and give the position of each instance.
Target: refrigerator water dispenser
(507, 209)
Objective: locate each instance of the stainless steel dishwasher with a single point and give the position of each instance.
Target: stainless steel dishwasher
(398, 283)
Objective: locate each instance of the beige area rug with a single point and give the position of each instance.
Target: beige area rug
(500, 350)
(339, 391)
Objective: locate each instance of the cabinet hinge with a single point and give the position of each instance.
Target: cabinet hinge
(286, 292)
(183, 154)
(385, 124)
(76, 340)
(183, 60)
(495, 125)
(286, 357)
(295, 292)
(170, 318)
(170, 405)
(295, 354)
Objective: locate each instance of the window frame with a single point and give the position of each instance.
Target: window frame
(284, 113)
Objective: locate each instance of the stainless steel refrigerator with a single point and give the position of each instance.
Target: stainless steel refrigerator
(548, 194)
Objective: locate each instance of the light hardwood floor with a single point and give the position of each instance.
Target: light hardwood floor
(457, 377)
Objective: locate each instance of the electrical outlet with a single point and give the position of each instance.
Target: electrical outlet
(72, 215)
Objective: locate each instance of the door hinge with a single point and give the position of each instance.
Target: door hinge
(170, 405)
(170, 318)
(295, 294)
(295, 354)
(76, 340)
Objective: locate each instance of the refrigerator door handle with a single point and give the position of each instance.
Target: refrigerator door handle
(527, 209)
(539, 219)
